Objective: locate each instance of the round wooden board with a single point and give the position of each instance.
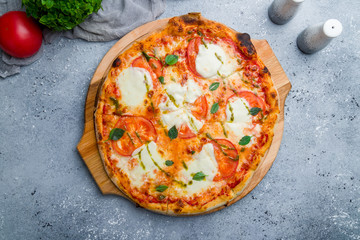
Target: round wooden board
(87, 146)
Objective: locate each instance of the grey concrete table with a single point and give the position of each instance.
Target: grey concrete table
(311, 192)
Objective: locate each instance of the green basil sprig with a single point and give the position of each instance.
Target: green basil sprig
(199, 176)
(171, 59)
(173, 133)
(255, 110)
(214, 108)
(161, 188)
(214, 86)
(244, 140)
(116, 134)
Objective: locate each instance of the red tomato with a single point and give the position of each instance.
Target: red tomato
(200, 108)
(138, 130)
(20, 36)
(226, 156)
(185, 132)
(192, 52)
(252, 99)
(156, 66)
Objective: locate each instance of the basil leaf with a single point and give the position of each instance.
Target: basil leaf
(199, 176)
(169, 163)
(214, 86)
(192, 152)
(171, 59)
(116, 134)
(161, 188)
(214, 108)
(173, 133)
(244, 140)
(161, 79)
(146, 56)
(255, 110)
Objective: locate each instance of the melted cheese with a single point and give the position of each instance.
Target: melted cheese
(146, 155)
(134, 83)
(238, 110)
(175, 112)
(180, 117)
(238, 117)
(176, 91)
(193, 91)
(207, 62)
(204, 162)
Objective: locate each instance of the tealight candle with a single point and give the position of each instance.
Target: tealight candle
(282, 11)
(315, 38)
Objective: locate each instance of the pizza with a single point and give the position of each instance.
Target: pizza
(185, 116)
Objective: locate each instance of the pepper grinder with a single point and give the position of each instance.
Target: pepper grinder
(282, 11)
(315, 38)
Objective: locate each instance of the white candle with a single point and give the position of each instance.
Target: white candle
(315, 38)
(282, 11)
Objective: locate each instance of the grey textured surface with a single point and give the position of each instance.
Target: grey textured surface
(311, 192)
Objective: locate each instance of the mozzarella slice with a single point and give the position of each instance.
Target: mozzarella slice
(146, 155)
(181, 117)
(237, 111)
(203, 162)
(177, 92)
(193, 91)
(209, 60)
(134, 83)
(236, 128)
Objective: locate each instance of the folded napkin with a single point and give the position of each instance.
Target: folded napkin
(114, 20)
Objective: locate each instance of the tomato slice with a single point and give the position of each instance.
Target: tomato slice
(200, 108)
(226, 156)
(192, 52)
(156, 66)
(252, 99)
(185, 132)
(138, 130)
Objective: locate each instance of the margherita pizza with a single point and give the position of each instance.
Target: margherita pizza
(185, 116)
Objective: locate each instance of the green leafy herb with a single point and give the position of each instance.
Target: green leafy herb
(184, 165)
(214, 86)
(244, 140)
(255, 110)
(116, 134)
(214, 108)
(146, 56)
(199, 176)
(161, 188)
(169, 163)
(61, 14)
(115, 102)
(219, 58)
(162, 80)
(192, 152)
(171, 59)
(203, 42)
(173, 133)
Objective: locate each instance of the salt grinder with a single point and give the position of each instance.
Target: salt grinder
(315, 38)
(282, 11)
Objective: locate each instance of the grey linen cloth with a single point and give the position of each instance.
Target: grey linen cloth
(114, 20)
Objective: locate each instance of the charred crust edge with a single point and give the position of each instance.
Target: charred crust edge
(245, 41)
(191, 18)
(116, 62)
